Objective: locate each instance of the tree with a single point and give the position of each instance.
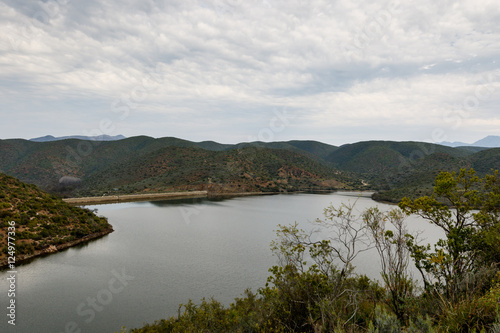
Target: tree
(394, 256)
(487, 242)
(314, 287)
(465, 207)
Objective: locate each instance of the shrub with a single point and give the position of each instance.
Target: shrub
(5, 205)
(384, 322)
(25, 248)
(421, 325)
(476, 314)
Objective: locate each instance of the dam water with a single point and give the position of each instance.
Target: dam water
(162, 254)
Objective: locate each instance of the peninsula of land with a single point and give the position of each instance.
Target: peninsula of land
(36, 223)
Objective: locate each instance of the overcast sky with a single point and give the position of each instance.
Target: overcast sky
(234, 70)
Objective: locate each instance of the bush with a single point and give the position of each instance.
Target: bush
(421, 325)
(5, 214)
(25, 248)
(5, 205)
(211, 316)
(476, 314)
(384, 322)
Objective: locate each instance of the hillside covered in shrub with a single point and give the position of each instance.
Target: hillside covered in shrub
(75, 168)
(43, 222)
(143, 164)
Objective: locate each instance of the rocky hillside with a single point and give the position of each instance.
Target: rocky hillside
(135, 165)
(43, 222)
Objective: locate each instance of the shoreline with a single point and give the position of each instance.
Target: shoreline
(109, 199)
(25, 258)
(163, 196)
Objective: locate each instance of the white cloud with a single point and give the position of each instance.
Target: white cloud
(226, 63)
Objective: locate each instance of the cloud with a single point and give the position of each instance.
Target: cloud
(171, 66)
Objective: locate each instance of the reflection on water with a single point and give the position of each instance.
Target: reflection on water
(163, 253)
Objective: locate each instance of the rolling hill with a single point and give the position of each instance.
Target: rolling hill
(398, 169)
(78, 167)
(143, 164)
(383, 156)
(247, 169)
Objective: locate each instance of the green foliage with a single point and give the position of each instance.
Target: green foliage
(24, 248)
(41, 219)
(468, 233)
(394, 257)
(421, 325)
(384, 322)
(244, 315)
(478, 313)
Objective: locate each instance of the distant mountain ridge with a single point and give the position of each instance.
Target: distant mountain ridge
(50, 138)
(142, 164)
(491, 141)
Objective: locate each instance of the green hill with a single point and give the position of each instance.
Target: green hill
(76, 167)
(398, 169)
(319, 149)
(144, 164)
(43, 222)
(380, 156)
(237, 170)
(313, 149)
(486, 160)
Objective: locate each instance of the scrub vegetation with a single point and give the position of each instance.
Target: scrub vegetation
(41, 220)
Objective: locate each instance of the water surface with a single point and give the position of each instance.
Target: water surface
(162, 254)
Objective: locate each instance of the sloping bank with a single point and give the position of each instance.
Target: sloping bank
(35, 223)
(23, 258)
